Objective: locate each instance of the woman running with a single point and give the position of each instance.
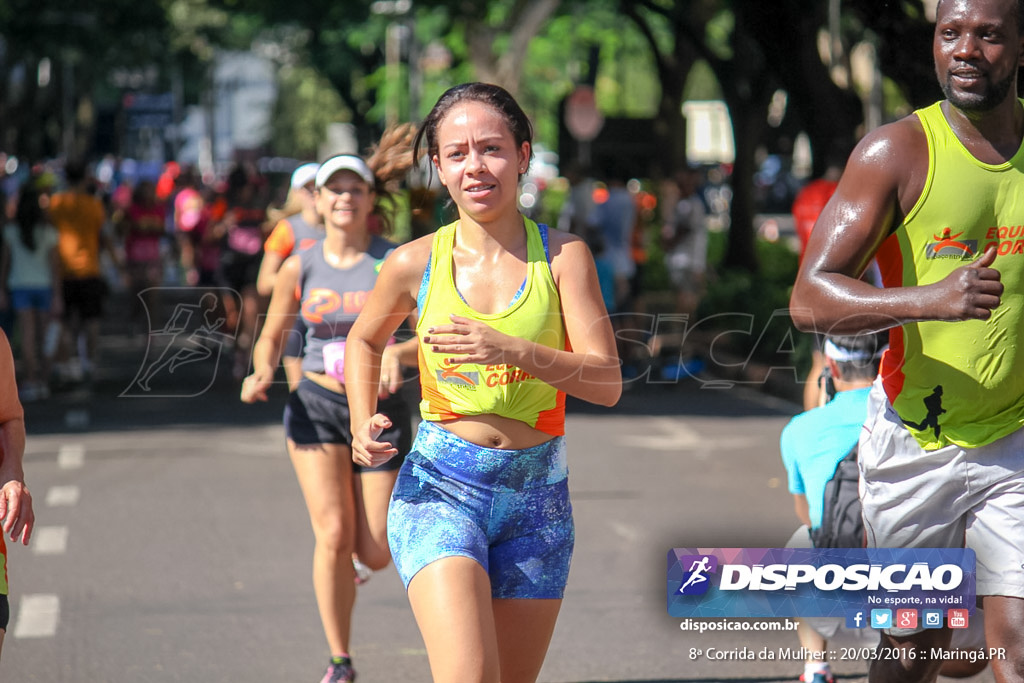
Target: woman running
(510, 321)
(328, 285)
(142, 227)
(30, 273)
(297, 228)
(242, 232)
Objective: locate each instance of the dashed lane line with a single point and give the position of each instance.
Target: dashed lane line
(71, 456)
(50, 540)
(62, 496)
(38, 616)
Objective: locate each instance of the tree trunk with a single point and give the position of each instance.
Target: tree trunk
(748, 124)
(506, 69)
(829, 114)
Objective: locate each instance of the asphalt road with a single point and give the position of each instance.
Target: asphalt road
(173, 544)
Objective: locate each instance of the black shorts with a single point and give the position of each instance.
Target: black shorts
(315, 414)
(240, 270)
(83, 298)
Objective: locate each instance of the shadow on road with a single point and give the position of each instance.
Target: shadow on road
(690, 397)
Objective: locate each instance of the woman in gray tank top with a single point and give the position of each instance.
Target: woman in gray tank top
(326, 287)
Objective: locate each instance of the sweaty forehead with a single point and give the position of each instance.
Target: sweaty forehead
(960, 10)
(471, 121)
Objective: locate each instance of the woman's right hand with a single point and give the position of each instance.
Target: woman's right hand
(254, 387)
(366, 450)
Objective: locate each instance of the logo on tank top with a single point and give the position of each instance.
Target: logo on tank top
(947, 246)
(449, 373)
(1008, 239)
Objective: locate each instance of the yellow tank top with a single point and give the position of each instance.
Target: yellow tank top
(958, 382)
(457, 390)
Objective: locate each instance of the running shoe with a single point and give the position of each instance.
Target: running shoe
(339, 673)
(819, 677)
(363, 573)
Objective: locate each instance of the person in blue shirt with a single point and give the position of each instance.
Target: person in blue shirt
(812, 444)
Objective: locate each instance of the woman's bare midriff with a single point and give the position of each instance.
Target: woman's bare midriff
(495, 431)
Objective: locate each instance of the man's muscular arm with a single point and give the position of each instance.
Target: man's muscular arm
(882, 181)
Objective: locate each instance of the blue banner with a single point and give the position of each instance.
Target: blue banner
(859, 584)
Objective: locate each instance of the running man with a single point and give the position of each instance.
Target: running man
(958, 476)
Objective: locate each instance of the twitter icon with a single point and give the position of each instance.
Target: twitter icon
(881, 618)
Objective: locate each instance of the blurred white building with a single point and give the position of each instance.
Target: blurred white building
(242, 98)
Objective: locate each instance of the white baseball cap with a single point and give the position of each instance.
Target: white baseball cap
(304, 175)
(344, 162)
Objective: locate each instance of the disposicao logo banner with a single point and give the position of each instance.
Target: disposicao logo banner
(817, 582)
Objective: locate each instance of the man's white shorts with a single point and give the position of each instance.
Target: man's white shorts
(945, 498)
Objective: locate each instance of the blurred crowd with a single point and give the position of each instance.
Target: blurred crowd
(74, 232)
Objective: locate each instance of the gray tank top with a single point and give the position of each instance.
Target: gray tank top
(305, 235)
(332, 299)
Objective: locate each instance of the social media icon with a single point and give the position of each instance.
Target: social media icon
(958, 618)
(906, 618)
(931, 618)
(881, 618)
(857, 619)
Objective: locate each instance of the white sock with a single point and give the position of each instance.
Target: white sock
(811, 668)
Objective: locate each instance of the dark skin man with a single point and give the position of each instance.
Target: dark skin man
(978, 48)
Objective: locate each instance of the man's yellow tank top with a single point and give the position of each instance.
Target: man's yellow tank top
(958, 382)
(452, 390)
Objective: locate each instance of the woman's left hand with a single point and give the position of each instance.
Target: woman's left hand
(366, 450)
(469, 341)
(390, 373)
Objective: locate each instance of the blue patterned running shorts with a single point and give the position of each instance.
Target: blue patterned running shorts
(507, 509)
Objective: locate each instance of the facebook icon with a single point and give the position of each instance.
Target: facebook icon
(856, 619)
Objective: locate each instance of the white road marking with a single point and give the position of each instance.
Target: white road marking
(626, 532)
(50, 540)
(71, 456)
(38, 616)
(59, 496)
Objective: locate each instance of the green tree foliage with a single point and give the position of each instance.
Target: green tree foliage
(645, 57)
(55, 54)
(306, 105)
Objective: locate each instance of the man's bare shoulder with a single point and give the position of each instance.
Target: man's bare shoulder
(899, 142)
